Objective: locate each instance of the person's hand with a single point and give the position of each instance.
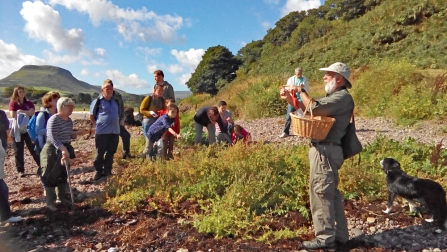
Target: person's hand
(230, 120)
(153, 114)
(178, 136)
(283, 92)
(65, 155)
(122, 122)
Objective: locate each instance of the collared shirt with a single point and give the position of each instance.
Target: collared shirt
(107, 118)
(26, 105)
(298, 82)
(159, 127)
(338, 105)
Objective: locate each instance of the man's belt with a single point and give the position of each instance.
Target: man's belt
(315, 144)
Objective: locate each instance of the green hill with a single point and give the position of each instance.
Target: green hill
(393, 46)
(48, 77)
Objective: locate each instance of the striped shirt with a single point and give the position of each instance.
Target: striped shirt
(59, 131)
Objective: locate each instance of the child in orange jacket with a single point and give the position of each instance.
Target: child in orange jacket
(168, 141)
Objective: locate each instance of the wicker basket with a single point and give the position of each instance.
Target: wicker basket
(312, 127)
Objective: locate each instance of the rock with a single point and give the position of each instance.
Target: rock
(25, 201)
(372, 229)
(132, 222)
(92, 232)
(436, 250)
(80, 196)
(370, 220)
(98, 246)
(182, 250)
(356, 232)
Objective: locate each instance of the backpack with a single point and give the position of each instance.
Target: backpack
(32, 132)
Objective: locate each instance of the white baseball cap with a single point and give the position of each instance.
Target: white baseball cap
(342, 69)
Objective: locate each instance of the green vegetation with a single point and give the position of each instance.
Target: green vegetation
(239, 189)
(217, 68)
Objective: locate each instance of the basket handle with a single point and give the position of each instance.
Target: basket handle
(309, 105)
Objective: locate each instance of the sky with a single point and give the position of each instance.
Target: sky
(127, 40)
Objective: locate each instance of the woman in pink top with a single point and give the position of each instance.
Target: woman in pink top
(19, 104)
(240, 133)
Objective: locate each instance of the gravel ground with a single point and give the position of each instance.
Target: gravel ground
(93, 229)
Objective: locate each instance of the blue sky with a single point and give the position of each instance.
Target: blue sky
(127, 41)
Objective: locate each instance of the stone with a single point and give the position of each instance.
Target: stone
(182, 250)
(370, 220)
(356, 232)
(98, 246)
(372, 229)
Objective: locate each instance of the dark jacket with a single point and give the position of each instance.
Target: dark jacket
(4, 126)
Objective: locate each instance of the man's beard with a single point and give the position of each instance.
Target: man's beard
(330, 87)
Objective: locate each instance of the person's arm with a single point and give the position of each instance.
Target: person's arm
(41, 129)
(174, 133)
(176, 127)
(92, 111)
(52, 130)
(144, 106)
(287, 96)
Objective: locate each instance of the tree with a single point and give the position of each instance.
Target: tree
(284, 28)
(218, 63)
(84, 98)
(249, 54)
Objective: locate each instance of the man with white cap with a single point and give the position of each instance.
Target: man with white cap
(326, 158)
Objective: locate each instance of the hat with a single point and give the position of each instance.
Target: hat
(342, 69)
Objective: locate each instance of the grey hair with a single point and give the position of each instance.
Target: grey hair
(343, 80)
(298, 69)
(63, 101)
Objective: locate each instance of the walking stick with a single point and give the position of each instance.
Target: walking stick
(67, 166)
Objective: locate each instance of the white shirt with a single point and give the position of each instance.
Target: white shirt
(295, 81)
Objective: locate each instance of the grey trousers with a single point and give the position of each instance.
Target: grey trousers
(199, 131)
(326, 201)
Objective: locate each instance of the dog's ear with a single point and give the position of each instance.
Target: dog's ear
(396, 165)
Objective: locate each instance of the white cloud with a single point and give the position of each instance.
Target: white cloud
(100, 52)
(54, 59)
(184, 78)
(97, 74)
(44, 23)
(175, 68)
(131, 24)
(120, 80)
(299, 5)
(12, 59)
(84, 72)
(151, 68)
(190, 58)
(145, 52)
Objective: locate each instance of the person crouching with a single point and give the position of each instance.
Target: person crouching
(56, 150)
(163, 124)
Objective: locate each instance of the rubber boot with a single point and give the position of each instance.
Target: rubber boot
(50, 198)
(61, 194)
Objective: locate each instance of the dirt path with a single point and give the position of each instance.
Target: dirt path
(93, 229)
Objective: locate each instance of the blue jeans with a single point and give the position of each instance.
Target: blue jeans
(290, 109)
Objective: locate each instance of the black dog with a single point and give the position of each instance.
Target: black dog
(411, 188)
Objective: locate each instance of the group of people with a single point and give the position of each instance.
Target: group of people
(161, 122)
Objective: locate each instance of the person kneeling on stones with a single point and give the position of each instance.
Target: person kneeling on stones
(159, 128)
(56, 151)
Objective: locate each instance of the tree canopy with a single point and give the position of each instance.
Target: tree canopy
(218, 67)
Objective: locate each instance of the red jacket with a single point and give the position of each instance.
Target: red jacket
(176, 126)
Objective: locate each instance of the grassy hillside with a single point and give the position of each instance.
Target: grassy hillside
(397, 48)
(50, 77)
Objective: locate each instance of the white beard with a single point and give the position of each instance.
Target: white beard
(330, 87)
